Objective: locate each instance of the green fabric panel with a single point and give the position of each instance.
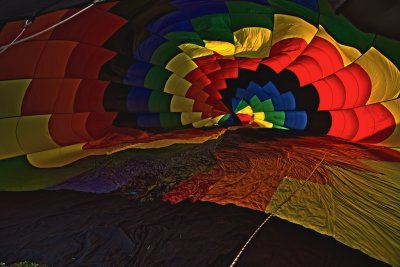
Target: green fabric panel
(290, 8)
(164, 53)
(170, 120)
(254, 101)
(261, 16)
(215, 27)
(342, 30)
(242, 104)
(184, 37)
(156, 78)
(390, 48)
(159, 102)
(17, 174)
(276, 117)
(224, 119)
(264, 106)
(279, 127)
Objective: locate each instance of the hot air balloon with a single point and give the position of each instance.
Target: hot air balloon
(286, 106)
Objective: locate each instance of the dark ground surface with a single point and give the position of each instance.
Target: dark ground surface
(65, 228)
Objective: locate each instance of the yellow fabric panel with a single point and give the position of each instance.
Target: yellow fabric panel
(176, 85)
(252, 42)
(263, 124)
(259, 116)
(12, 94)
(247, 110)
(384, 75)
(349, 54)
(358, 208)
(203, 123)
(181, 64)
(394, 108)
(9, 146)
(190, 117)
(195, 51)
(217, 119)
(286, 26)
(223, 48)
(33, 134)
(181, 104)
(58, 157)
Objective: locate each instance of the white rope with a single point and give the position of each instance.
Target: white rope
(17, 40)
(275, 211)
(5, 47)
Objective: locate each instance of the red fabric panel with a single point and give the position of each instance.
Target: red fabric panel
(376, 123)
(94, 27)
(66, 96)
(199, 96)
(20, 61)
(86, 61)
(249, 63)
(357, 84)
(344, 124)
(207, 64)
(347, 88)
(307, 69)
(332, 93)
(284, 52)
(320, 57)
(99, 123)
(41, 96)
(68, 129)
(12, 29)
(89, 96)
(54, 59)
(202, 107)
(277, 63)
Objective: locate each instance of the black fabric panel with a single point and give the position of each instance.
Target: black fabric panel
(126, 120)
(81, 229)
(261, 76)
(319, 122)
(380, 17)
(139, 14)
(115, 97)
(115, 69)
(307, 98)
(23, 9)
(286, 81)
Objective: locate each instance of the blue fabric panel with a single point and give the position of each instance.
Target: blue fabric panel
(138, 99)
(146, 49)
(202, 7)
(149, 120)
(284, 102)
(244, 94)
(296, 120)
(257, 90)
(136, 74)
(174, 21)
(311, 4)
(270, 90)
